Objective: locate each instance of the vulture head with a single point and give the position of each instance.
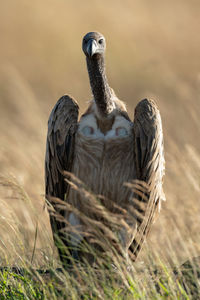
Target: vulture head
(93, 44)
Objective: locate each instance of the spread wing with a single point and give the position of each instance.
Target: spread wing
(150, 165)
(62, 126)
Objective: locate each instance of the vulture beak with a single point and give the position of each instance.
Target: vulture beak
(92, 47)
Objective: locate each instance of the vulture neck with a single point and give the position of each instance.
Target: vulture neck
(99, 84)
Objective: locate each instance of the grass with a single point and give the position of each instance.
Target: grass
(150, 281)
(152, 51)
(111, 276)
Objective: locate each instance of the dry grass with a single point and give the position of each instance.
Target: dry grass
(152, 50)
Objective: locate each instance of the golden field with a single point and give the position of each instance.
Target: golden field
(152, 51)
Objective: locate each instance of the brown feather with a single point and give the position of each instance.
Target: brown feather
(105, 125)
(150, 164)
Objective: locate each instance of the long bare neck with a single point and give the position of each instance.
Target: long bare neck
(99, 84)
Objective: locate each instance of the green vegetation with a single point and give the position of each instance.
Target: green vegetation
(150, 281)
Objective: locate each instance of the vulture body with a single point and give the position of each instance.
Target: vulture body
(105, 150)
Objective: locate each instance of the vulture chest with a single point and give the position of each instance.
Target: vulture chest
(104, 161)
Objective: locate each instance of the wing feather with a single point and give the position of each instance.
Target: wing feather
(62, 125)
(150, 165)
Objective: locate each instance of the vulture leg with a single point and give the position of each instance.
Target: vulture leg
(150, 165)
(62, 127)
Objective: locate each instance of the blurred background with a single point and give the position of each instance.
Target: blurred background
(152, 51)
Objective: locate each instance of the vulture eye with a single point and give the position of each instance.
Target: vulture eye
(101, 41)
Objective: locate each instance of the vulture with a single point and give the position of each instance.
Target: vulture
(108, 153)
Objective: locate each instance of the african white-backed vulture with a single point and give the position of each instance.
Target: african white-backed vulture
(105, 150)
